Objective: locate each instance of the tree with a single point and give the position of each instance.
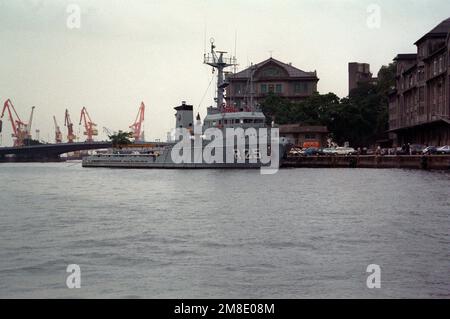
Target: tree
(277, 109)
(386, 78)
(121, 138)
(312, 111)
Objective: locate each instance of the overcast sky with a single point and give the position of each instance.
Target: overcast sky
(126, 52)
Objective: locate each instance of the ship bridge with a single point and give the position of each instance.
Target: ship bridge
(235, 119)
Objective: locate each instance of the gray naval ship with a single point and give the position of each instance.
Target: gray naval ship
(229, 137)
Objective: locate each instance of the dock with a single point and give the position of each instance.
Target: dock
(431, 162)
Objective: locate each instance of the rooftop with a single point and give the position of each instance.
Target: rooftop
(441, 30)
(184, 107)
(406, 56)
(291, 70)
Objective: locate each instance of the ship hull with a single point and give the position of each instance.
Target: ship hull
(164, 161)
(134, 165)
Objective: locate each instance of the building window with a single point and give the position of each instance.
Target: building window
(310, 136)
(263, 88)
(271, 88)
(421, 74)
(301, 87)
(279, 88)
(238, 88)
(421, 94)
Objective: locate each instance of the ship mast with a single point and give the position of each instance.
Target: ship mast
(217, 60)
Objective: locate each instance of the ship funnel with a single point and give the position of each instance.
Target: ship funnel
(184, 116)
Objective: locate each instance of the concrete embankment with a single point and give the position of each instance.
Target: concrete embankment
(437, 162)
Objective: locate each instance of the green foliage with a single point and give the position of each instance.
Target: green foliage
(386, 78)
(121, 138)
(360, 119)
(312, 111)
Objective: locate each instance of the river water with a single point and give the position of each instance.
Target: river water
(301, 233)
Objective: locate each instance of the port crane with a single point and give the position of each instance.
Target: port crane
(108, 131)
(89, 126)
(136, 127)
(68, 123)
(21, 130)
(58, 134)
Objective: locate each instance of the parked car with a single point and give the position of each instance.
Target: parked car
(429, 150)
(329, 151)
(296, 151)
(390, 151)
(312, 151)
(444, 150)
(416, 149)
(400, 151)
(345, 151)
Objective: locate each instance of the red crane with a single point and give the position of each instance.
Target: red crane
(21, 130)
(68, 123)
(89, 126)
(58, 134)
(136, 127)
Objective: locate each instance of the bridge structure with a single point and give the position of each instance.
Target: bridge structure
(48, 152)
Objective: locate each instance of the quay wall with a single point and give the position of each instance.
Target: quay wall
(435, 162)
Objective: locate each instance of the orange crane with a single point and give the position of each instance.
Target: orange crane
(68, 123)
(58, 134)
(21, 130)
(136, 127)
(89, 126)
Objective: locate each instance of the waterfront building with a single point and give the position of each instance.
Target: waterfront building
(250, 86)
(359, 73)
(419, 106)
(305, 136)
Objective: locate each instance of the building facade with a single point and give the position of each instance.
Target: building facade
(250, 86)
(359, 73)
(419, 106)
(305, 136)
